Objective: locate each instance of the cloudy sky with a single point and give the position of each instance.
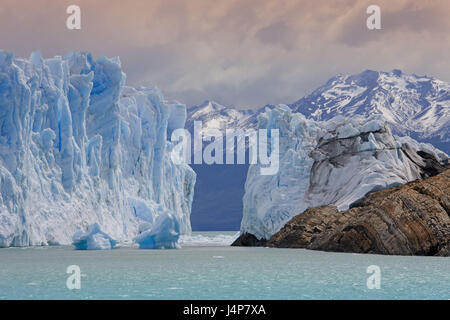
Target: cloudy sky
(245, 53)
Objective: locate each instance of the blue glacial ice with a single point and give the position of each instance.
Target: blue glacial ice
(78, 147)
(163, 234)
(93, 239)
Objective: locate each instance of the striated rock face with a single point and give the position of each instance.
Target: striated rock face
(412, 219)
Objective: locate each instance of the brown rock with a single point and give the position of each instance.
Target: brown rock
(248, 240)
(412, 219)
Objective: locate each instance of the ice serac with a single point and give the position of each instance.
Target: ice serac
(163, 234)
(78, 147)
(334, 162)
(93, 239)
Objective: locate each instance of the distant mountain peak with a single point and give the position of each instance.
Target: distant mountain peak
(413, 105)
(216, 116)
(212, 104)
(418, 106)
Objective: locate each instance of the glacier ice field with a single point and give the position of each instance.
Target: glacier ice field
(78, 149)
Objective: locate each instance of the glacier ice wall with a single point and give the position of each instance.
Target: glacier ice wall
(78, 147)
(332, 162)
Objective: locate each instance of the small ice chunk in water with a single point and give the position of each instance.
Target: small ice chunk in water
(93, 239)
(164, 234)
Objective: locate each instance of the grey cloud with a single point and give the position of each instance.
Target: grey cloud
(238, 52)
(278, 34)
(397, 19)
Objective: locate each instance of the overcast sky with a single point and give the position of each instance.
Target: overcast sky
(245, 53)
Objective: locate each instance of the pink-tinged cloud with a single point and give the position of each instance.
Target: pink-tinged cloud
(240, 52)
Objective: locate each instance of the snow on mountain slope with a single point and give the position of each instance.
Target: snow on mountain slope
(216, 116)
(328, 162)
(415, 106)
(219, 188)
(77, 148)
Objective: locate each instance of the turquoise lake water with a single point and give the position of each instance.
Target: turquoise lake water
(210, 271)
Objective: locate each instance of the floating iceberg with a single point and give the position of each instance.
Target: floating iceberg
(164, 234)
(78, 147)
(332, 162)
(93, 239)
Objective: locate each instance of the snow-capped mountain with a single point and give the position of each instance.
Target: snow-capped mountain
(413, 106)
(417, 106)
(78, 148)
(334, 162)
(216, 116)
(219, 189)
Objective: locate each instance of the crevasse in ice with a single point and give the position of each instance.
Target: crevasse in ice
(331, 162)
(78, 147)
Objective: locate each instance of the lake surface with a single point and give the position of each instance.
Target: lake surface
(207, 269)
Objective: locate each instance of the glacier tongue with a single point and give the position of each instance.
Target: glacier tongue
(78, 147)
(333, 162)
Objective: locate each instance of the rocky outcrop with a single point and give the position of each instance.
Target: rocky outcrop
(412, 219)
(248, 240)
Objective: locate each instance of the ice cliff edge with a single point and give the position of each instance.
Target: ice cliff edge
(78, 147)
(335, 162)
